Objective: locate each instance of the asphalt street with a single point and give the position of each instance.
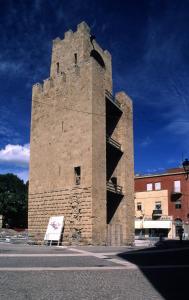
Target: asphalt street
(41, 272)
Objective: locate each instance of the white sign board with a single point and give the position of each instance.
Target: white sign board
(54, 228)
(139, 224)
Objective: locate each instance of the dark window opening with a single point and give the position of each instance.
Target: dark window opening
(178, 205)
(139, 206)
(77, 175)
(157, 205)
(98, 58)
(75, 58)
(57, 67)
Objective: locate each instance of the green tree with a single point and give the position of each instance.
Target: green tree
(13, 201)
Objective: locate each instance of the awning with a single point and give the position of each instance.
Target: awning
(142, 224)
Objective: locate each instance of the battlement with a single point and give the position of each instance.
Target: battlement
(83, 29)
(69, 54)
(48, 84)
(77, 47)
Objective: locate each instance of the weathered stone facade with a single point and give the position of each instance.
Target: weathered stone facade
(73, 112)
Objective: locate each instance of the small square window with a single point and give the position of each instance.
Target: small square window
(149, 186)
(158, 186)
(139, 206)
(178, 205)
(77, 175)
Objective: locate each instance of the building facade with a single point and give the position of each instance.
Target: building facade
(81, 163)
(162, 197)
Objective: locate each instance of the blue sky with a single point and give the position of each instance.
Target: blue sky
(149, 42)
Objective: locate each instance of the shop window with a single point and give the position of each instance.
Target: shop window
(139, 206)
(158, 186)
(149, 187)
(77, 171)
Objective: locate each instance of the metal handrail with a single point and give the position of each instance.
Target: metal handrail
(114, 187)
(112, 98)
(157, 212)
(113, 142)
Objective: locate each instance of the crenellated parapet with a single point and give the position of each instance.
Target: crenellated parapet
(49, 84)
(77, 48)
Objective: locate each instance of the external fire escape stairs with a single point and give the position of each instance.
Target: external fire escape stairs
(114, 150)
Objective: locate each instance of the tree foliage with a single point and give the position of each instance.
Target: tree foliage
(13, 200)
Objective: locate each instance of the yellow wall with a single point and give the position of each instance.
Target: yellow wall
(148, 200)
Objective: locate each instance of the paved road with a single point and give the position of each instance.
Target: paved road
(39, 272)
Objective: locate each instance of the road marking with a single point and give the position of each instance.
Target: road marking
(103, 268)
(44, 255)
(106, 268)
(123, 263)
(127, 264)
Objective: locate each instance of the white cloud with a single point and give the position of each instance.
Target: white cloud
(146, 142)
(11, 66)
(179, 126)
(15, 154)
(24, 175)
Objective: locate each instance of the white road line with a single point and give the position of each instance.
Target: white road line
(123, 263)
(44, 255)
(104, 256)
(106, 268)
(63, 268)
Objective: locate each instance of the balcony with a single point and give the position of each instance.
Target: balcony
(113, 143)
(157, 212)
(114, 188)
(113, 100)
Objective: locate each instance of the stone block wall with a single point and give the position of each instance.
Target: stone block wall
(74, 204)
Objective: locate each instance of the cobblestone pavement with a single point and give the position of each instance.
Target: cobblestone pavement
(39, 272)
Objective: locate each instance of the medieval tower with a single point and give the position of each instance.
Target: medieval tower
(81, 164)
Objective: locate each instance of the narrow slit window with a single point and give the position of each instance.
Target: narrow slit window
(57, 67)
(77, 171)
(75, 58)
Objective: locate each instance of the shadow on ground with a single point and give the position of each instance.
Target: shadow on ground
(166, 267)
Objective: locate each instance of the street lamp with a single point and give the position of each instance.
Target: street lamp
(186, 167)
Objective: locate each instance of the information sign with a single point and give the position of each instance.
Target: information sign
(54, 228)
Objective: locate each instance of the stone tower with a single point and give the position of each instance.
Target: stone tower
(81, 163)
